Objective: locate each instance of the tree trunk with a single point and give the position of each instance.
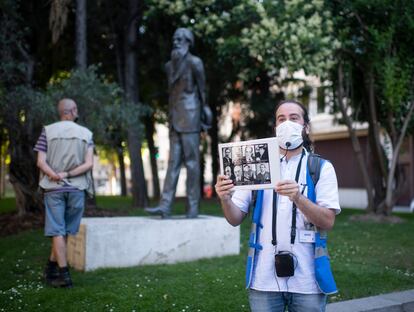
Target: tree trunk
(23, 175)
(390, 198)
(2, 166)
(81, 64)
(203, 153)
(379, 170)
(213, 132)
(373, 122)
(376, 176)
(355, 142)
(120, 66)
(120, 155)
(23, 172)
(119, 54)
(80, 41)
(2, 176)
(139, 190)
(150, 129)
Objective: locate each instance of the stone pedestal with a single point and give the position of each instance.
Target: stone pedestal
(131, 241)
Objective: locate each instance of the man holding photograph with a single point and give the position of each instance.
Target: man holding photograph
(281, 272)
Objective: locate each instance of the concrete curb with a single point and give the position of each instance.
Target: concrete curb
(393, 302)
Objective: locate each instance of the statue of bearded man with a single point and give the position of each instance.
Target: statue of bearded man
(186, 86)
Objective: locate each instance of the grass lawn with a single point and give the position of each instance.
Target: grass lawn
(367, 259)
(7, 205)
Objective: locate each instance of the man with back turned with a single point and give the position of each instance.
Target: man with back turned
(65, 158)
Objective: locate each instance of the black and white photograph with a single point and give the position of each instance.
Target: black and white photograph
(261, 153)
(249, 174)
(237, 153)
(248, 156)
(227, 157)
(262, 173)
(248, 164)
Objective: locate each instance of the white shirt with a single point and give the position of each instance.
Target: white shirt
(264, 275)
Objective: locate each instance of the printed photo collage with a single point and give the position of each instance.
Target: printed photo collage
(247, 164)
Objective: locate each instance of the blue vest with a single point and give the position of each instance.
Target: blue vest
(323, 273)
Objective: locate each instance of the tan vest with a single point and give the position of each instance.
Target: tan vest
(67, 143)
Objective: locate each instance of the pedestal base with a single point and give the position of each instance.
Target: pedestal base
(131, 241)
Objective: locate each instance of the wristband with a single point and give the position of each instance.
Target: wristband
(68, 174)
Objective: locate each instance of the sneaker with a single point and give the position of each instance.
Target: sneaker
(63, 280)
(51, 272)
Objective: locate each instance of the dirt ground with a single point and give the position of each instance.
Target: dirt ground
(377, 218)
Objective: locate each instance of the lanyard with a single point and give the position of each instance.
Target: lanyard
(294, 208)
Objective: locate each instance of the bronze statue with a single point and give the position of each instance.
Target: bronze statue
(187, 109)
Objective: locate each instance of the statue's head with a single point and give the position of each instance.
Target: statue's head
(183, 37)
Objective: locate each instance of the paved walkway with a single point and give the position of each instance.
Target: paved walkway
(394, 302)
(407, 209)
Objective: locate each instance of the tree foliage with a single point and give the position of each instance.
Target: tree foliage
(245, 44)
(101, 104)
(378, 60)
(24, 109)
(250, 36)
(249, 48)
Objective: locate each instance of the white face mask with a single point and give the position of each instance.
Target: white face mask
(289, 135)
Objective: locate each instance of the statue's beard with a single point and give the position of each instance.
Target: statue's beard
(177, 55)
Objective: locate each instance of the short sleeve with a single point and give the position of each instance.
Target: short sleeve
(91, 143)
(41, 144)
(242, 198)
(327, 188)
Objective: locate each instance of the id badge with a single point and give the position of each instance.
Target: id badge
(306, 236)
